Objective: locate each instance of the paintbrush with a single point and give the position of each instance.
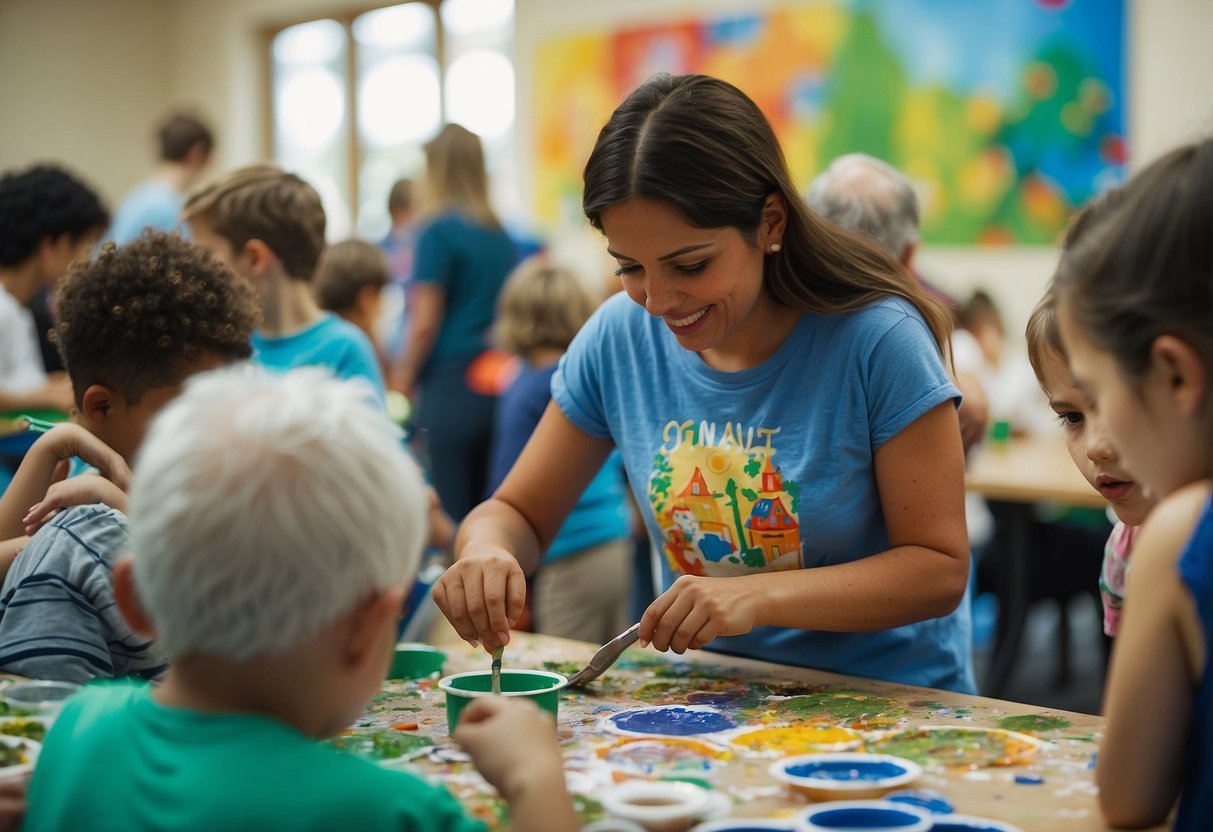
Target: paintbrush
(496, 690)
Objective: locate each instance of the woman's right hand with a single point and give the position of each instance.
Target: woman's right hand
(482, 594)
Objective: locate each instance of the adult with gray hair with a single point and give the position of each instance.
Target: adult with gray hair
(866, 194)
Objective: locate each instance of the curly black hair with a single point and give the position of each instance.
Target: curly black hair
(44, 202)
(136, 317)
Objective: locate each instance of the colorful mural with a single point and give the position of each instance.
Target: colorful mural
(1006, 113)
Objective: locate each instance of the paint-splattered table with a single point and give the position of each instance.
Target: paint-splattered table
(1037, 775)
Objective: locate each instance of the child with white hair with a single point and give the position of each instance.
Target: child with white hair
(276, 522)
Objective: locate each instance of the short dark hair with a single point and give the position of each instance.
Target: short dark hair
(402, 196)
(345, 269)
(134, 317)
(180, 134)
(41, 202)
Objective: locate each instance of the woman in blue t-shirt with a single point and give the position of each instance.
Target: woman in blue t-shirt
(776, 390)
(462, 259)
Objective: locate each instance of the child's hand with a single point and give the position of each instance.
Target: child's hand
(66, 440)
(12, 804)
(83, 490)
(513, 744)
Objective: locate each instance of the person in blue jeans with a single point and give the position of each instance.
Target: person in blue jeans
(581, 588)
(776, 388)
(462, 258)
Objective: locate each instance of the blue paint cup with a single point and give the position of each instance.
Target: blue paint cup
(967, 823)
(845, 774)
(866, 815)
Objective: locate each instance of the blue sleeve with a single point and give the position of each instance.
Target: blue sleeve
(518, 414)
(905, 379)
(576, 386)
(358, 361)
(434, 259)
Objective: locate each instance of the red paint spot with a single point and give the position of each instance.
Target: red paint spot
(1112, 149)
(405, 726)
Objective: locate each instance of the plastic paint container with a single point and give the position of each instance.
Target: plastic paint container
(540, 686)
(845, 775)
(657, 805)
(968, 823)
(867, 815)
(26, 748)
(39, 698)
(415, 661)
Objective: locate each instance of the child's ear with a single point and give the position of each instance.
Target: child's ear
(127, 598)
(258, 256)
(1184, 372)
(97, 403)
(368, 624)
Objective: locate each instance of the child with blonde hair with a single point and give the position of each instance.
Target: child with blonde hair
(1135, 312)
(581, 588)
(276, 521)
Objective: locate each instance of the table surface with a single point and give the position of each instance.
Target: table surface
(757, 695)
(1029, 469)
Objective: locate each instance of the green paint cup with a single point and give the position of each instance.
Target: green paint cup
(540, 686)
(415, 661)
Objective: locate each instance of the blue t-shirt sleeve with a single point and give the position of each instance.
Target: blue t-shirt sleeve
(434, 259)
(905, 378)
(576, 386)
(518, 413)
(358, 361)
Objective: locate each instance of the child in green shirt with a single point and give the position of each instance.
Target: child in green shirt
(276, 522)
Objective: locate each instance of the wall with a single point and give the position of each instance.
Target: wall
(83, 83)
(1169, 64)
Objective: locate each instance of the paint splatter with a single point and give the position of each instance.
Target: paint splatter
(845, 705)
(380, 745)
(799, 739)
(960, 747)
(672, 721)
(666, 757)
(1034, 722)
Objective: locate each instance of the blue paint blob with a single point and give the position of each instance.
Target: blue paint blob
(674, 721)
(947, 825)
(1029, 779)
(844, 770)
(864, 819)
(933, 802)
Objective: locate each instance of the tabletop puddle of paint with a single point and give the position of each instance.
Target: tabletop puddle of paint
(959, 746)
(672, 720)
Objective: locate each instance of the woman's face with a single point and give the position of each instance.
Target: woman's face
(705, 283)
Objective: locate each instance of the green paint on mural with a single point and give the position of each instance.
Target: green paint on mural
(1034, 722)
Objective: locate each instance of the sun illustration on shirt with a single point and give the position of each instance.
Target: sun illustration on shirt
(723, 505)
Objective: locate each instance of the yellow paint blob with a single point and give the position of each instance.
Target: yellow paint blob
(799, 739)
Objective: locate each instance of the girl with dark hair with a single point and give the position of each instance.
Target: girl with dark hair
(1135, 309)
(776, 388)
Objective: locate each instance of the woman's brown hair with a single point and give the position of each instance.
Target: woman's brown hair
(701, 145)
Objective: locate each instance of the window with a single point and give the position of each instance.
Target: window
(354, 98)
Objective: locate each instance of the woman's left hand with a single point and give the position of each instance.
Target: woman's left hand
(696, 610)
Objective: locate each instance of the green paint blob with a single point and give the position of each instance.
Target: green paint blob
(849, 705)
(1034, 722)
(380, 745)
(563, 668)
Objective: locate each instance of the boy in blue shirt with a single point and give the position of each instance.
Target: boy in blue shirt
(276, 522)
(268, 226)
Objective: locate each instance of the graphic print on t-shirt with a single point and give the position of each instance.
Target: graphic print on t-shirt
(722, 502)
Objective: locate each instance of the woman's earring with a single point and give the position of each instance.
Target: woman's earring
(775, 248)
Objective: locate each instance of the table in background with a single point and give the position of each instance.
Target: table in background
(1064, 800)
(1022, 472)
